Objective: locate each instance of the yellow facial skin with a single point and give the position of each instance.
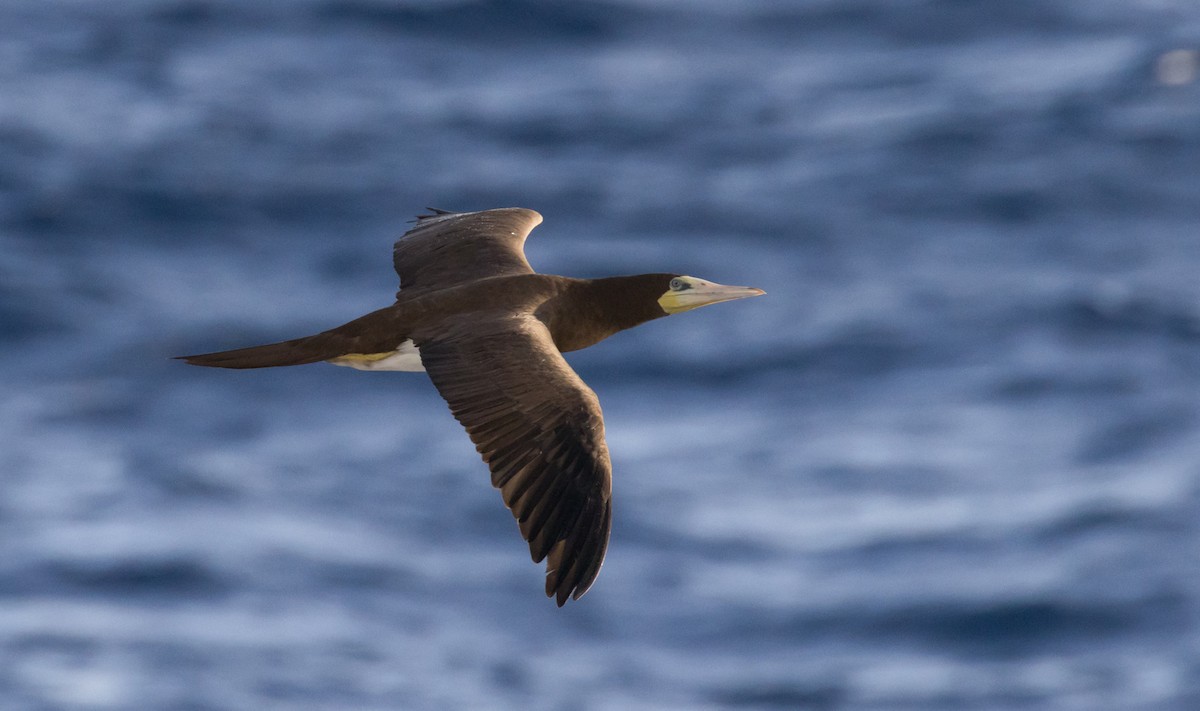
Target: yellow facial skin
(687, 293)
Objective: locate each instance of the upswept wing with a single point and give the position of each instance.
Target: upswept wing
(450, 248)
(541, 432)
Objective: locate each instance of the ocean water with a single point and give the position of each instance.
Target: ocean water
(951, 461)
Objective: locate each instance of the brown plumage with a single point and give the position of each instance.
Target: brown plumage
(490, 332)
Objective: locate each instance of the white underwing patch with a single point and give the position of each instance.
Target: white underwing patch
(406, 357)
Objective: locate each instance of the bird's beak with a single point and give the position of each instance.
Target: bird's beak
(703, 293)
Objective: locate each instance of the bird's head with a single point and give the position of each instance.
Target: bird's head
(685, 293)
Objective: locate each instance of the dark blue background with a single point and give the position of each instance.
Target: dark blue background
(951, 461)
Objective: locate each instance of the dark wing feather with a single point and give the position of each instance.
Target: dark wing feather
(450, 248)
(541, 432)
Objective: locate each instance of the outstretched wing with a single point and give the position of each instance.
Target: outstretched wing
(449, 248)
(541, 432)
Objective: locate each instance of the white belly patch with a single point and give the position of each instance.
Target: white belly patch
(406, 357)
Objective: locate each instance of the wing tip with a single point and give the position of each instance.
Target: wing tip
(561, 593)
(571, 578)
(433, 213)
(534, 216)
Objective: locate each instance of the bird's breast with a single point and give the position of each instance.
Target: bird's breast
(406, 357)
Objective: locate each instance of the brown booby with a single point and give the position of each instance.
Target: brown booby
(490, 332)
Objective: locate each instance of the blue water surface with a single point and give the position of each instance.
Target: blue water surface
(951, 461)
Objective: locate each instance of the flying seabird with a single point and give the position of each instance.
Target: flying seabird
(490, 332)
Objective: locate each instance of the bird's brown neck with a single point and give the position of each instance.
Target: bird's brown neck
(590, 310)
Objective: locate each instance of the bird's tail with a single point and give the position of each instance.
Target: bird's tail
(374, 333)
(297, 351)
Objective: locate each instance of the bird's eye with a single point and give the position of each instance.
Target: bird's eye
(677, 284)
